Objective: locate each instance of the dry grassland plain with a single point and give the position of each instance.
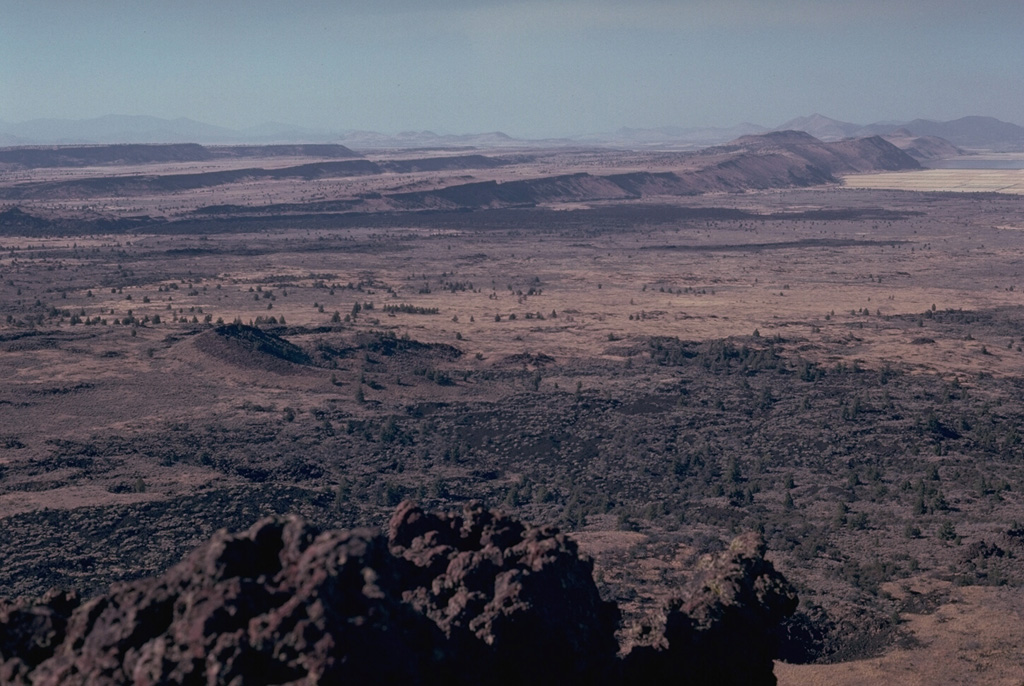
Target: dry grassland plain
(978, 173)
(838, 367)
(944, 181)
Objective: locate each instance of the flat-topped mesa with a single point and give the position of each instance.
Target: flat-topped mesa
(475, 597)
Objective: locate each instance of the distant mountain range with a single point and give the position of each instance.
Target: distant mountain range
(116, 129)
(968, 132)
(112, 128)
(669, 135)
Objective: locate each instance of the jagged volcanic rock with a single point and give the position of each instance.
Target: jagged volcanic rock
(719, 631)
(509, 597)
(470, 598)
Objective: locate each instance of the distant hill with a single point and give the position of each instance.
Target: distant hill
(672, 136)
(872, 153)
(136, 153)
(115, 128)
(922, 147)
(121, 129)
(972, 132)
(986, 133)
(821, 127)
(427, 140)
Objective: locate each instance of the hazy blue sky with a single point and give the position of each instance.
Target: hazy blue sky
(527, 68)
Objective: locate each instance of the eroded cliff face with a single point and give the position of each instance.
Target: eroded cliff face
(475, 597)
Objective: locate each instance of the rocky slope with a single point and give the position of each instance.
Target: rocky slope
(469, 598)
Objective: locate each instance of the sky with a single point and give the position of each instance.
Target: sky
(530, 69)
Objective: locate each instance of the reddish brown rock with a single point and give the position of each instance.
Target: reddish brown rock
(509, 597)
(275, 604)
(720, 630)
(469, 598)
(29, 634)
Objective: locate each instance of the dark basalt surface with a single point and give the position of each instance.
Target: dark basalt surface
(475, 597)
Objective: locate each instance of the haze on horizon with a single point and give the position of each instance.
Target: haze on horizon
(530, 68)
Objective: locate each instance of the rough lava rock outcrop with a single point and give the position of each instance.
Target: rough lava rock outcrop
(515, 602)
(721, 629)
(470, 598)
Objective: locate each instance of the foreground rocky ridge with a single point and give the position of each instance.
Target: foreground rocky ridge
(470, 598)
